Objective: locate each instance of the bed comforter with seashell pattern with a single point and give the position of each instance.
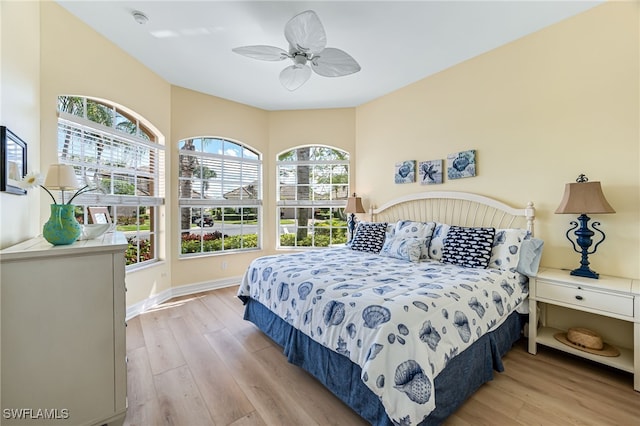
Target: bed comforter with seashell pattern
(401, 322)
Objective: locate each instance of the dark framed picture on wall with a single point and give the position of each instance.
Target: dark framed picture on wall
(13, 156)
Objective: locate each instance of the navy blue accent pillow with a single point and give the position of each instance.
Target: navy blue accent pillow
(369, 237)
(468, 247)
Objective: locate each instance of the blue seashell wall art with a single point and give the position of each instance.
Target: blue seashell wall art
(405, 172)
(461, 164)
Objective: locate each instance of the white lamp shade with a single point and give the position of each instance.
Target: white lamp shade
(61, 177)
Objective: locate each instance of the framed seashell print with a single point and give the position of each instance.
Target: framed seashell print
(430, 172)
(405, 172)
(461, 164)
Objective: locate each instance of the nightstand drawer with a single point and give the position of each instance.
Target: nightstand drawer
(618, 304)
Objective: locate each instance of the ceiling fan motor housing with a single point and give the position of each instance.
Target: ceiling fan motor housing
(299, 58)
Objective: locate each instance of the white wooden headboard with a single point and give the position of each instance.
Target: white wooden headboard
(455, 208)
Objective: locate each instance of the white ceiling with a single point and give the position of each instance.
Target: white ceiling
(189, 43)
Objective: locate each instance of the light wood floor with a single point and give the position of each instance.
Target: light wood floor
(194, 361)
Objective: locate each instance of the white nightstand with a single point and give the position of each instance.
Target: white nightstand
(609, 297)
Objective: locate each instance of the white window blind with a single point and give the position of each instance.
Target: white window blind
(219, 196)
(117, 156)
(124, 169)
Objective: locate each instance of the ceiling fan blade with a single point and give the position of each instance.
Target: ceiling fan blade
(264, 53)
(333, 62)
(305, 33)
(294, 76)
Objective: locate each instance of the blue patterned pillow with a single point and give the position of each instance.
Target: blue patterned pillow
(506, 248)
(468, 247)
(369, 237)
(408, 249)
(391, 230)
(413, 229)
(437, 240)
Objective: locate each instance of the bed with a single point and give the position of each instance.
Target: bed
(412, 317)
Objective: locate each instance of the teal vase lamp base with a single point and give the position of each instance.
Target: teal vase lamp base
(62, 227)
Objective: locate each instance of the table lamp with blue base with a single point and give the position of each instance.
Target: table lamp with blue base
(584, 197)
(354, 205)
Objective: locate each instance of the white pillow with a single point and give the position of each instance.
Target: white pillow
(506, 248)
(437, 240)
(530, 254)
(391, 230)
(408, 249)
(413, 229)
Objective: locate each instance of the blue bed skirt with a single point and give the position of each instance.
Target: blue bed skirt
(460, 379)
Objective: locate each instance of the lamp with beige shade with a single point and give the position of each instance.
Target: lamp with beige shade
(584, 197)
(354, 205)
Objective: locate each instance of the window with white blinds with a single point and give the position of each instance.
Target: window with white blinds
(119, 158)
(220, 196)
(313, 187)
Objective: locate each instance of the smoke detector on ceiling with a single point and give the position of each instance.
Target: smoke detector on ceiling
(139, 17)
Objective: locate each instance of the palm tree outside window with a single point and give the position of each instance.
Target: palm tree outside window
(220, 196)
(313, 187)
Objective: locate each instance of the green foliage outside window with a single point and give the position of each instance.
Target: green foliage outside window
(325, 233)
(131, 254)
(213, 241)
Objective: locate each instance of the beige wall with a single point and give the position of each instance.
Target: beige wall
(539, 111)
(20, 109)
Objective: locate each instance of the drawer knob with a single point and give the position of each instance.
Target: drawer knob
(578, 297)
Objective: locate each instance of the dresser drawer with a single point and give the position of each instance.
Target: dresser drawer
(618, 304)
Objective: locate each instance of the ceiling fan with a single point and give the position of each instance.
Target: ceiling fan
(307, 41)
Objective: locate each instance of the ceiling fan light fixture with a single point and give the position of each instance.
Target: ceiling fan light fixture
(300, 59)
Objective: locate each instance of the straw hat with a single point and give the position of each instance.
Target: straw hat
(586, 340)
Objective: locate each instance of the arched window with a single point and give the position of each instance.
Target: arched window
(313, 187)
(220, 196)
(114, 152)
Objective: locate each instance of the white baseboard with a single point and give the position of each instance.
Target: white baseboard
(143, 306)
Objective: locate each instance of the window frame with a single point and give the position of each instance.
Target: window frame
(144, 141)
(227, 243)
(335, 205)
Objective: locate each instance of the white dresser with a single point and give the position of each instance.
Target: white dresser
(608, 305)
(63, 332)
